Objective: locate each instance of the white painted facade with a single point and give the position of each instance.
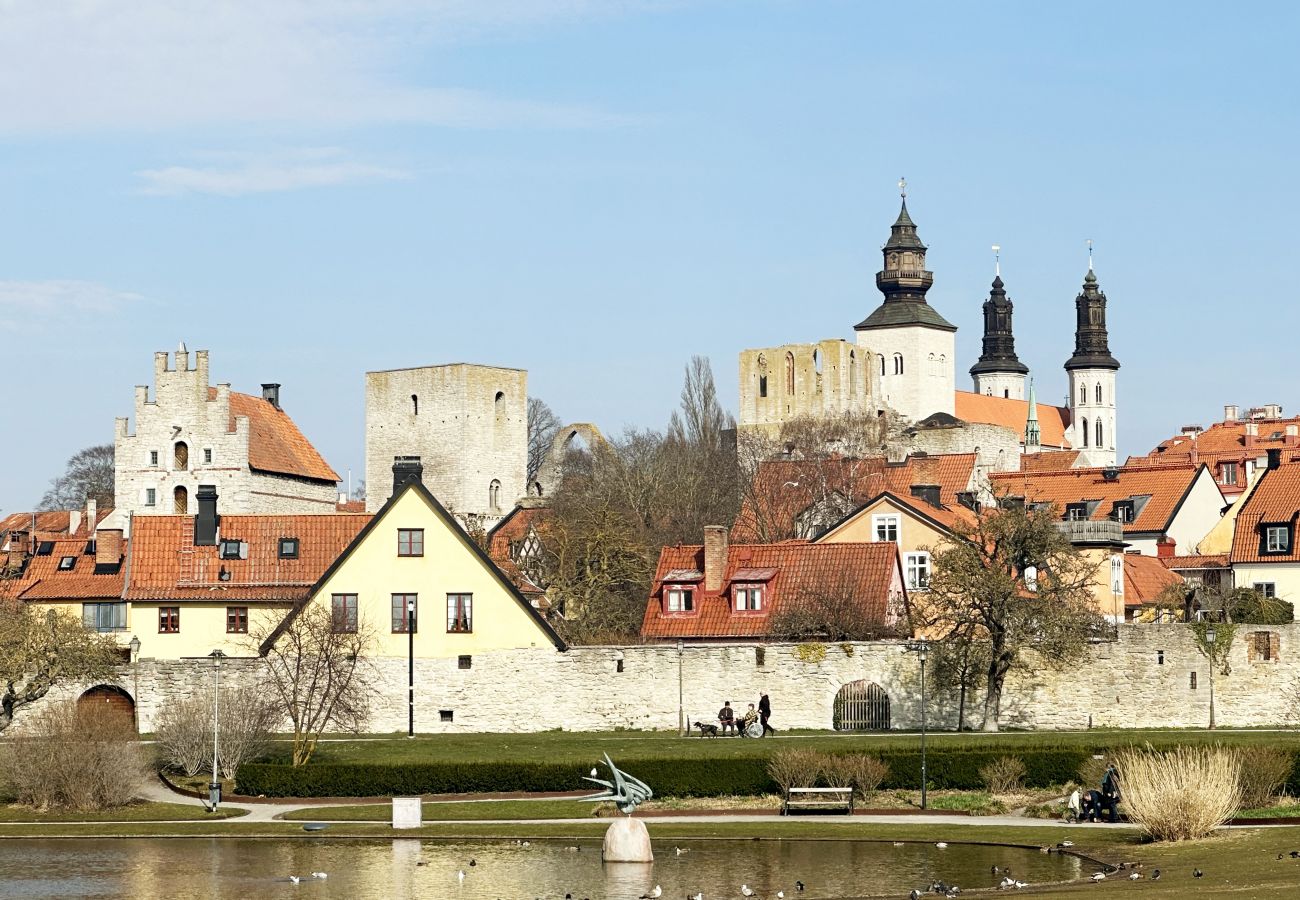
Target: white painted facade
(1000, 384)
(1092, 405)
(918, 365)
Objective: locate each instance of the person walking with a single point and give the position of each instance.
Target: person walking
(765, 713)
(1110, 793)
(1074, 807)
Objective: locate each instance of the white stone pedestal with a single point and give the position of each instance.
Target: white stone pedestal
(407, 812)
(627, 841)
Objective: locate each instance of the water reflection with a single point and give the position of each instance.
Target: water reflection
(358, 870)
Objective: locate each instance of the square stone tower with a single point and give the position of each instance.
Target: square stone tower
(467, 423)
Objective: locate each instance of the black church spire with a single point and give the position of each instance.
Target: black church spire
(1091, 341)
(999, 352)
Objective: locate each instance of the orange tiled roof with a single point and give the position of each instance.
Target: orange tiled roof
(785, 488)
(165, 564)
(506, 534)
(43, 579)
(870, 571)
(1275, 500)
(945, 516)
(981, 408)
(1165, 485)
(274, 442)
(1231, 436)
(1052, 461)
(351, 506)
(1145, 577)
(1199, 561)
(50, 524)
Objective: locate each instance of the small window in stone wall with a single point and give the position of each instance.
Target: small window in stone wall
(760, 656)
(618, 665)
(1192, 682)
(1263, 646)
(1160, 657)
(464, 662)
(445, 715)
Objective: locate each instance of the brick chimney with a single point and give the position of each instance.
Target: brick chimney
(715, 557)
(18, 548)
(1166, 547)
(1252, 432)
(406, 468)
(108, 547)
(1229, 413)
(271, 394)
(92, 514)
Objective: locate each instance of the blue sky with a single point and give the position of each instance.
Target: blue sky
(595, 191)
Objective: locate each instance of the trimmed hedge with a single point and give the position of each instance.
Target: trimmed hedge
(739, 776)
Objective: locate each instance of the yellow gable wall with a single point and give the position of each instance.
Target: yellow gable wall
(913, 533)
(374, 572)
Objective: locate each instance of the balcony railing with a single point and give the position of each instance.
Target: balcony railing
(1092, 531)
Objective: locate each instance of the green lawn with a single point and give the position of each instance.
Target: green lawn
(452, 812)
(136, 812)
(565, 746)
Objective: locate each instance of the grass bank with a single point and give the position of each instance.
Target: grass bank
(143, 811)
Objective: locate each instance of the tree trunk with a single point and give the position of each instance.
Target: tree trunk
(961, 705)
(993, 695)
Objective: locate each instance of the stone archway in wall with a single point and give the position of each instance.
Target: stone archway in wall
(117, 701)
(551, 472)
(861, 706)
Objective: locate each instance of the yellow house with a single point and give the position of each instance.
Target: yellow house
(414, 556)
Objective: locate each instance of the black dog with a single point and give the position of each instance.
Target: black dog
(707, 730)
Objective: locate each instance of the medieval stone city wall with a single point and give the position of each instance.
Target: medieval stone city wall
(467, 423)
(828, 378)
(1142, 680)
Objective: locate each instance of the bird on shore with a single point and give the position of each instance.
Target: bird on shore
(321, 875)
(651, 895)
(942, 845)
(680, 850)
(915, 895)
(1066, 844)
(1197, 873)
(1098, 876)
(1295, 854)
(798, 885)
(746, 890)
(295, 879)
(1136, 876)
(1155, 874)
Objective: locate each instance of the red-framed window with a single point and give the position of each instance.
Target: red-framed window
(343, 609)
(236, 620)
(749, 598)
(460, 613)
(410, 542)
(402, 616)
(679, 599)
(169, 619)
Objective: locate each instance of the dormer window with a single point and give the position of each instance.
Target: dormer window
(232, 550)
(1076, 512)
(679, 599)
(1276, 539)
(748, 597)
(1122, 511)
(66, 563)
(288, 548)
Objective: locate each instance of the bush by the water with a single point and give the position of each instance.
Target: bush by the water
(75, 757)
(1264, 772)
(810, 768)
(1180, 794)
(1005, 775)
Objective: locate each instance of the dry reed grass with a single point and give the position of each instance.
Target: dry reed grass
(1180, 794)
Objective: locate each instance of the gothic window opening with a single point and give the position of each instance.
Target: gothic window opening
(180, 501)
(789, 372)
(1083, 393)
(1085, 432)
(181, 456)
(817, 362)
(882, 364)
(762, 385)
(1099, 395)
(1006, 393)
(1100, 442)
(415, 405)
(499, 409)
(494, 496)
(898, 364)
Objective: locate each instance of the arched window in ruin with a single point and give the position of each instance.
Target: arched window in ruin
(882, 364)
(762, 385)
(1085, 432)
(180, 501)
(861, 706)
(415, 405)
(181, 456)
(817, 362)
(898, 364)
(789, 372)
(494, 496)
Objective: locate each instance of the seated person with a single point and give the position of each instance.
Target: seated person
(751, 715)
(727, 718)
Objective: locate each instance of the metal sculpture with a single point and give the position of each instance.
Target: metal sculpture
(624, 790)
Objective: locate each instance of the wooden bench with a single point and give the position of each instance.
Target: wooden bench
(818, 798)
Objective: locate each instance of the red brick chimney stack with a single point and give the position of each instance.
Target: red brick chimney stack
(715, 557)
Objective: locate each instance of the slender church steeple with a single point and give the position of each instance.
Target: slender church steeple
(999, 372)
(1092, 371)
(1033, 435)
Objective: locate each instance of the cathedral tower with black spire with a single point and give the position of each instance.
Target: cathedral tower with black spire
(999, 372)
(1092, 377)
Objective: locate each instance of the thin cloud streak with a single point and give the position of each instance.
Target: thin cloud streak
(30, 305)
(312, 170)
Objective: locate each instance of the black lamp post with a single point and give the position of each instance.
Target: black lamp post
(410, 667)
(1209, 643)
(214, 786)
(922, 649)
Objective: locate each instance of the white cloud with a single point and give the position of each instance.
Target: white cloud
(33, 304)
(92, 65)
(309, 168)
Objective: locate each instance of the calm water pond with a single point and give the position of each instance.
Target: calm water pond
(251, 868)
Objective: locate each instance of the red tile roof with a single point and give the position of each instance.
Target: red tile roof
(1164, 485)
(1012, 414)
(1145, 578)
(50, 524)
(504, 540)
(1200, 561)
(945, 516)
(274, 442)
(870, 571)
(43, 580)
(785, 488)
(165, 564)
(1052, 461)
(1274, 501)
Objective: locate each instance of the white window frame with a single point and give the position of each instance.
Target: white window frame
(675, 599)
(1030, 577)
(1117, 575)
(1283, 545)
(887, 520)
(917, 568)
(1265, 588)
(150, 496)
(748, 598)
(1224, 469)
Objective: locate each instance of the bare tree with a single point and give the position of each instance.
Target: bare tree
(184, 730)
(88, 475)
(39, 649)
(542, 426)
(315, 675)
(978, 593)
(961, 666)
(359, 490)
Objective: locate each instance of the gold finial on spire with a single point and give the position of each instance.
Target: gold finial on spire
(902, 187)
(997, 259)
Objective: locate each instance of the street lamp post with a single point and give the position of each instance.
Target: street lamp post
(681, 707)
(410, 667)
(214, 786)
(134, 646)
(1209, 642)
(922, 650)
